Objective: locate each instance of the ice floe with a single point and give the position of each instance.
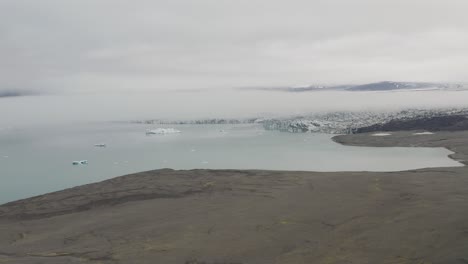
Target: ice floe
(162, 131)
(381, 134)
(423, 133)
(80, 162)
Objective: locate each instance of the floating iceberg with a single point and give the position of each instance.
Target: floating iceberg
(162, 131)
(423, 133)
(381, 134)
(80, 162)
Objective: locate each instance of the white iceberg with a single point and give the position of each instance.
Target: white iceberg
(162, 131)
(423, 133)
(80, 162)
(381, 134)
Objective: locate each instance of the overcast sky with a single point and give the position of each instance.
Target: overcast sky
(111, 45)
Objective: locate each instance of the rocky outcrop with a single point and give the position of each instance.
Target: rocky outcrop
(438, 123)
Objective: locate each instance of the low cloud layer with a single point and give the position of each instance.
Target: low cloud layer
(116, 45)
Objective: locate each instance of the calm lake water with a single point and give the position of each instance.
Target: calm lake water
(38, 160)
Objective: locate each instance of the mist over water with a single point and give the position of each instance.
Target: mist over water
(188, 105)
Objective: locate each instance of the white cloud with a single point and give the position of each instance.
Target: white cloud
(105, 45)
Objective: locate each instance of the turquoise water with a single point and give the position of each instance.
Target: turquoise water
(37, 160)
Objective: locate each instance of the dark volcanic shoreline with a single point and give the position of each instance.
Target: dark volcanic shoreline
(236, 216)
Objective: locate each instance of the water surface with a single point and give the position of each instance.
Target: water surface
(38, 160)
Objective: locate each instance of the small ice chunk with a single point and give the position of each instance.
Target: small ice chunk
(162, 131)
(204, 162)
(381, 134)
(80, 162)
(423, 133)
(193, 150)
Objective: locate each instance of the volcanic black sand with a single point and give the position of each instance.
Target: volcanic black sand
(234, 216)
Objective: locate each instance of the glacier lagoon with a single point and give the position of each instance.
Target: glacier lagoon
(38, 160)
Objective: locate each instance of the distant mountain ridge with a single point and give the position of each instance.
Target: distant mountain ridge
(378, 86)
(12, 93)
(388, 86)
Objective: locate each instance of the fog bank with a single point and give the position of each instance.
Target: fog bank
(183, 105)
